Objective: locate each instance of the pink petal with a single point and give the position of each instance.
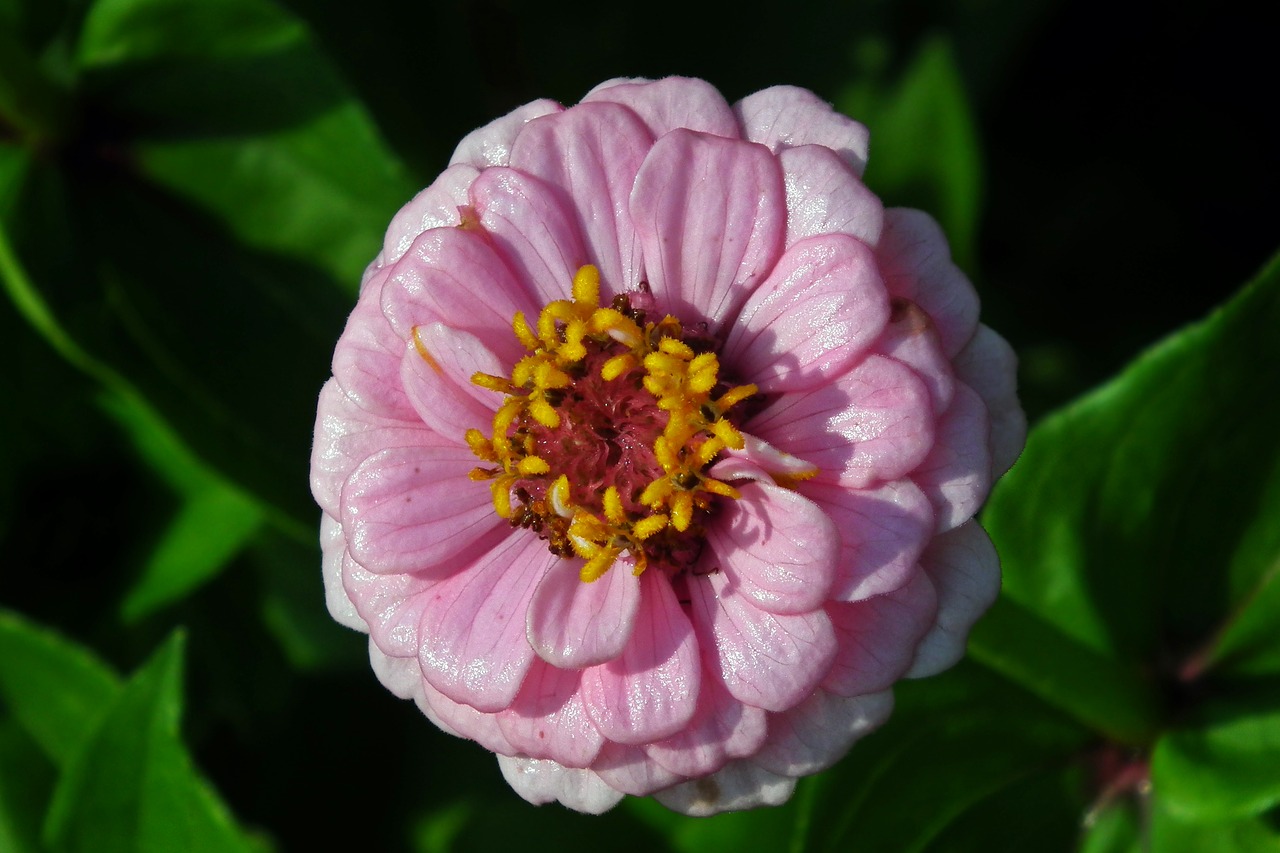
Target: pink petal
(911, 339)
(549, 719)
(916, 263)
(963, 567)
(435, 207)
(826, 196)
(543, 781)
(436, 375)
(629, 770)
(650, 691)
(768, 660)
(529, 223)
(883, 532)
(878, 637)
(872, 424)
(333, 546)
(776, 547)
(401, 676)
(414, 509)
(346, 435)
(593, 152)
(576, 625)
(390, 604)
(822, 305)
(491, 145)
(722, 729)
(466, 721)
(988, 365)
(670, 103)
(366, 356)
(473, 639)
(738, 785)
(957, 473)
(818, 733)
(453, 276)
(786, 117)
(710, 214)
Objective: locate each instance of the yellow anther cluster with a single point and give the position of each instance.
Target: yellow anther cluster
(681, 382)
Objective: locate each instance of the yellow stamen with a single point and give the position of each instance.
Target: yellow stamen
(523, 333)
(586, 286)
(613, 506)
(598, 565)
(531, 465)
(681, 511)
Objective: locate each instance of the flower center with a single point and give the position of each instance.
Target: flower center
(608, 427)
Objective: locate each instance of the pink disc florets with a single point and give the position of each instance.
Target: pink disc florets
(653, 445)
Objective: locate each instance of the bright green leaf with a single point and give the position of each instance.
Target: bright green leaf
(132, 788)
(925, 130)
(1141, 518)
(1228, 767)
(54, 688)
(1173, 834)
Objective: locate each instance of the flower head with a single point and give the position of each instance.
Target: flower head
(653, 443)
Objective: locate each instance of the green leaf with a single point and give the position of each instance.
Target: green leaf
(229, 105)
(1109, 696)
(1172, 834)
(26, 782)
(208, 532)
(133, 787)
(1140, 519)
(54, 688)
(1226, 767)
(926, 124)
(959, 750)
(214, 524)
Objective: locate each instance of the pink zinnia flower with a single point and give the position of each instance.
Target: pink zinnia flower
(653, 443)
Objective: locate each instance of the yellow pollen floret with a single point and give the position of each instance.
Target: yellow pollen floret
(647, 527)
(524, 334)
(616, 366)
(531, 465)
(681, 510)
(613, 506)
(586, 286)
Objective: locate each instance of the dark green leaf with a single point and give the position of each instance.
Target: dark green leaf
(26, 782)
(228, 104)
(132, 787)
(1140, 519)
(953, 756)
(215, 522)
(54, 688)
